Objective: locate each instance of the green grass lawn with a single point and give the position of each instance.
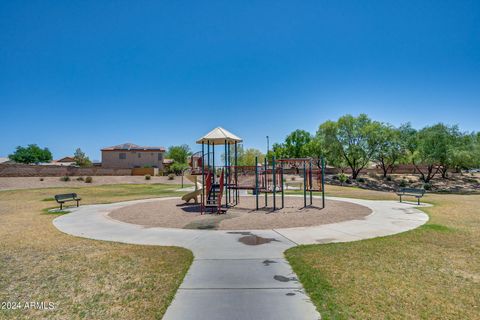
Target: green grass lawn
(432, 272)
(85, 279)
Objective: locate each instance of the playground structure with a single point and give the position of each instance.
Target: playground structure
(221, 185)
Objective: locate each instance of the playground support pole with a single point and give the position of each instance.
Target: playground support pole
(229, 178)
(256, 182)
(283, 192)
(310, 180)
(274, 179)
(225, 177)
(214, 171)
(323, 182)
(202, 203)
(236, 173)
(265, 181)
(304, 183)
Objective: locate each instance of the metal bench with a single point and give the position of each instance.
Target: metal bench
(417, 193)
(62, 198)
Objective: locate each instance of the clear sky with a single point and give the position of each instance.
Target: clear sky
(92, 74)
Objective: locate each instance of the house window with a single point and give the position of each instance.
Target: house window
(139, 155)
(122, 156)
(160, 157)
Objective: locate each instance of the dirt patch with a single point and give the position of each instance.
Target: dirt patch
(176, 214)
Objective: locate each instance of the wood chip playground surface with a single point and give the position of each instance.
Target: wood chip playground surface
(175, 213)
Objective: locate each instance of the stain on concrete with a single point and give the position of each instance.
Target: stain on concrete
(290, 294)
(268, 262)
(254, 240)
(284, 279)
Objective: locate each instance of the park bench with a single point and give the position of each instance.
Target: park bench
(62, 198)
(417, 193)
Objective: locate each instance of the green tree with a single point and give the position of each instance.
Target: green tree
(179, 153)
(31, 154)
(315, 149)
(278, 150)
(178, 167)
(390, 149)
(295, 143)
(245, 157)
(248, 157)
(81, 159)
(461, 152)
(430, 149)
(353, 140)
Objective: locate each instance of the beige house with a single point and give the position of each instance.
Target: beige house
(129, 155)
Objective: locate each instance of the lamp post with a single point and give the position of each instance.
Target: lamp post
(268, 144)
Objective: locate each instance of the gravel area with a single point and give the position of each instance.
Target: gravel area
(11, 183)
(176, 214)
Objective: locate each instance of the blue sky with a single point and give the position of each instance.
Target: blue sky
(92, 74)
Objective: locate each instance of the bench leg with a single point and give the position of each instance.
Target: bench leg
(400, 198)
(418, 201)
(61, 206)
(77, 203)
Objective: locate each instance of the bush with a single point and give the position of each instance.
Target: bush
(41, 179)
(389, 178)
(65, 178)
(342, 177)
(171, 176)
(403, 183)
(335, 178)
(293, 178)
(360, 180)
(410, 181)
(80, 179)
(88, 180)
(148, 177)
(427, 186)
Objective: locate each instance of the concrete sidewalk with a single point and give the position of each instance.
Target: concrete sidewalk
(241, 274)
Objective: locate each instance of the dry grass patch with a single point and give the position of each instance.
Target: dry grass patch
(432, 272)
(84, 278)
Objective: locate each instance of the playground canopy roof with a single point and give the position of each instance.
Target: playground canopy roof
(219, 136)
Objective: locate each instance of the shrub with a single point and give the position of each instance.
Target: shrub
(427, 186)
(335, 178)
(342, 177)
(65, 178)
(80, 179)
(293, 178)
(360, 180)
(41, 179)
(389, 178)
(148, 177)
(171, 176)
(88, 180)
(403, 183)
(410, 181)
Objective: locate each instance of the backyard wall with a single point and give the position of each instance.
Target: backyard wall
(25, 170)
(144, 171)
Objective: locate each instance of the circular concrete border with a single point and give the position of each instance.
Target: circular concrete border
(387, 218)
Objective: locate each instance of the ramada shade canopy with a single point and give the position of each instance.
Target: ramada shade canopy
(219, 136)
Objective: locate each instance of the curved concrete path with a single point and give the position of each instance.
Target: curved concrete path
(231, 279)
